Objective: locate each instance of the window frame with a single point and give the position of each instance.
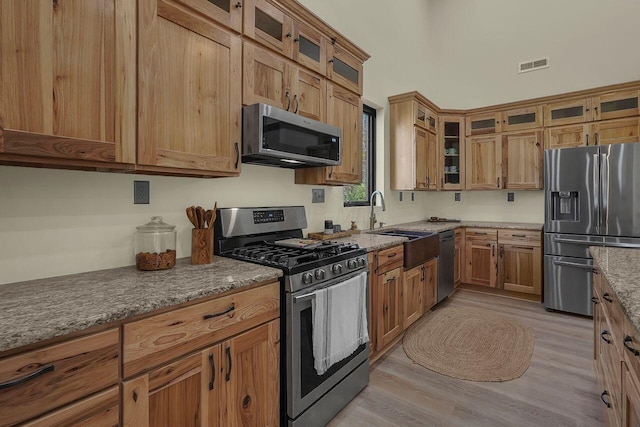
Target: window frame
(371, 158)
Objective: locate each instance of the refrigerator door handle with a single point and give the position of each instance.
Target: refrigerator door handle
(572, 264)
(604, 194)
(596, 191)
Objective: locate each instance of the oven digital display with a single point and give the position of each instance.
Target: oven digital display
(273, 215)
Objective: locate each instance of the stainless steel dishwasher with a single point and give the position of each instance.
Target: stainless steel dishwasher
(445, 264)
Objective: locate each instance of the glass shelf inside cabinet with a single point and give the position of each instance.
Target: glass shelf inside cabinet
(451, 153)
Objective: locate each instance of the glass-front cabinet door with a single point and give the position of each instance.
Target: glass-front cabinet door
(344, 68)
(615, 105)
(522, 118)
(268, 25)
(424, 117)
(484, 123)
(451, 153)
(567, 112)
(309, 48)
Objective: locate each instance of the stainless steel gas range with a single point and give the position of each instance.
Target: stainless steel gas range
(273, 237)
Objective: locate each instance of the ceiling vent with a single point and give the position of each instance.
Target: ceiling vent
(534, 65)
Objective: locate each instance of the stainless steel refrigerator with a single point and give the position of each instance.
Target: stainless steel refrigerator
(592, 198)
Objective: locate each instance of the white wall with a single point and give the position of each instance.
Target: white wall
(60, 222)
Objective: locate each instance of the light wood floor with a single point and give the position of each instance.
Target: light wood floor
(558, 389)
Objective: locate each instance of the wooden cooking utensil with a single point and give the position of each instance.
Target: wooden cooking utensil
(207, 218)
(213, 215)
(191, 214)
(200, 216)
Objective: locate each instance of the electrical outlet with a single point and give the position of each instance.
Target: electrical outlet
(412, 197)
(457, 197)
(140, 192)
(317, 195)
(511, 197)
(401, 196)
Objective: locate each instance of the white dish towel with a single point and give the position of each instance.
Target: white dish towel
(339, 321)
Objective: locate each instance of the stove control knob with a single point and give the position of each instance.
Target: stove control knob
(352, 264)
(362, 262)
(307, 278)
(337, 268)
(320, 274)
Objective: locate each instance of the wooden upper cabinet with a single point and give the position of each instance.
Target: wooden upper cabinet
(522, 118)
(267, 24)
(344, 68)
(225, 12)
(616, 131)
(309, 48)
(189, 91)
(420, 159)
(522, 160)
(266, 78)
(483, 162)
(67, 82)
(424, 117)
(432, 162)
(309, 94)
(567, 136)
(484, 123)
(344, 110)
(567, 112)
(616, 105)
(451, 153)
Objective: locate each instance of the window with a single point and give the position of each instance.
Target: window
(358, 195)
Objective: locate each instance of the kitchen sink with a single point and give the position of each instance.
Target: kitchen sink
(421, 247)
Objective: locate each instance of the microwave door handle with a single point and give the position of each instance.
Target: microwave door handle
(596, 191)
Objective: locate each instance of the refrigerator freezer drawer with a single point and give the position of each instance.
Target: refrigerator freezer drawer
(568, 284)
(572, 245)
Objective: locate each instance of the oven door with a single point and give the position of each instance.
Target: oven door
(304, 385)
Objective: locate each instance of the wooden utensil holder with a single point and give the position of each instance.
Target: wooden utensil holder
(201, 246)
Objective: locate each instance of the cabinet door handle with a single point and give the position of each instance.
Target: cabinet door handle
(595, 300)
(296, 40)
(607, 297)
(330, 172)
(587, 138)
(212, 364)
(221, 313)
(605, 393)
(498, 182)
(228, 375)
(602, 334)
(288, 96)
(27, 378)
(237, 146)
(597, 139)
(423, 274)
(626, 342)
(493, 250)
(288, 35)
(238, 5)
(295, 99)
(501, 251)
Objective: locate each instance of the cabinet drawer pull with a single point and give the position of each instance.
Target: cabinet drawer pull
(392, 255)
(519, 235)
(522, 247)
(626, 342)
(212, 364)
(602, 334)
(479, 234)
(27, 378)
(607, 297)
(228, 310)
(605, 393)
(390, 280)
(228, 375)
(595, 300)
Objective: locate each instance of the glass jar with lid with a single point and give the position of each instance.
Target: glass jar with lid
(155, 245)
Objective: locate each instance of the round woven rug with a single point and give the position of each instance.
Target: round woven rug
(471, 344)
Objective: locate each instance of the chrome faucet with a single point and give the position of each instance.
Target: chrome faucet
(372, 218)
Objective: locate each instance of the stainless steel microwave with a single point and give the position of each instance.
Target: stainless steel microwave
(274, 137)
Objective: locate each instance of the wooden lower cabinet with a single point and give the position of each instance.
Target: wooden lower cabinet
(413, 285)
(630, 401)
(235, 383)
(389, 306)
(430, 284)
(520, 269)
(458, 258)
(373, 280)
(481, 259)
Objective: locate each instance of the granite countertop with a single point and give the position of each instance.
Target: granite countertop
(46, 308)
(621, 267)
(372, 242)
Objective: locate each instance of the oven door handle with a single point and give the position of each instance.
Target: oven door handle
(304, 297)
(312, 295)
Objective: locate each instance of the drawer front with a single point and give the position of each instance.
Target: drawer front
(390, 258)
(481, 235)
(613, 313)
(458, 232)
(519, 237)
(56, 375)
(158, 339)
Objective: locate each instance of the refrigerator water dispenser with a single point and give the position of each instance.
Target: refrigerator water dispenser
(564, 206)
